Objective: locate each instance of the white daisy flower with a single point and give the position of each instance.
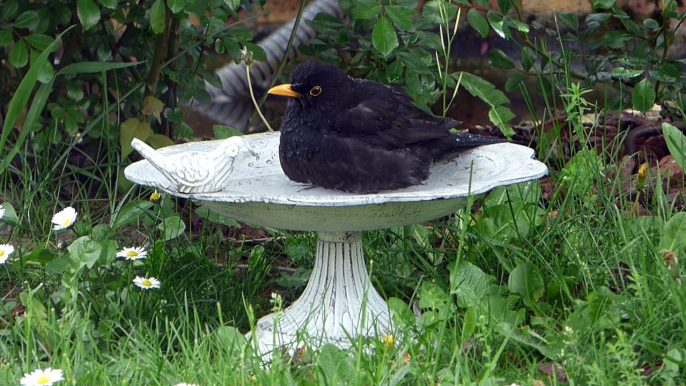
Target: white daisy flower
(42, 377)
(2, 211)
(186, 384)
(5, 251)
(64, 218)
(146, 282)
(135, 253)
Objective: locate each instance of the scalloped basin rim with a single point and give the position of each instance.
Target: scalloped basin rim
(473, 172)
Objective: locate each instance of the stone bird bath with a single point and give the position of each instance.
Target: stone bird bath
(339, 301)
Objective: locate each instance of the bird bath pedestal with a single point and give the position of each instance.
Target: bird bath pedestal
(339, 301)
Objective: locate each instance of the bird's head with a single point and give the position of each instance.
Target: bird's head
(237, 147)
(314, 84)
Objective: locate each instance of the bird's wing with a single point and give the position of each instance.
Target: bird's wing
(388, 119)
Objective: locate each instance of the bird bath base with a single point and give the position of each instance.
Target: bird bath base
(338, 305)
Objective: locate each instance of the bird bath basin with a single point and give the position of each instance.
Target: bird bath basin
(339, 301)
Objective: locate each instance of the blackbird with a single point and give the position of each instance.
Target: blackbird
(360, 136)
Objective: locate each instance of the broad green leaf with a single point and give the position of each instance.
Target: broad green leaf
(471, 285)
(172, 227)
(6, 38)
(483, 89)
(569, 19)
(157, 16)
(39, 41)
(499, 59)
(88, 12)
(10, 215)
(57, 266)
(28, 19)
(130, 129)
(400, 16)
(676, 142)
(624, 73)
(46, 72)
(514, 82)
(176, 6)
(129, 213)
(617, 39)
(233, 4)
(367, 11)
(602, 4)
(497, 24)
(93, 67)
(222, 131)
(19, 55)
(394, 72)
(501, 116)
(674, 234)
(111, 4)
(527, 282)
(384, 37)
(152, 106)
(10, 9)
(478, 22)
(643, 96)
(160, 140)
(83, 252)
(651, 24)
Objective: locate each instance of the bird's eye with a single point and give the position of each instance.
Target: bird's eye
(316, 90)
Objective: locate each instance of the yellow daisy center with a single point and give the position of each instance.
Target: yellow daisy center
(147, 283)
(131, 254)
(65, 222)
(154, 196)
(43, 380)
(2, 252)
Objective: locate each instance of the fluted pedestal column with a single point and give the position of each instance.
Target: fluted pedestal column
(339, 302)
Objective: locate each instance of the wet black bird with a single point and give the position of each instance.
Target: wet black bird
(360, 136)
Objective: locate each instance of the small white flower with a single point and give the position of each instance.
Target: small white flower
(5, 251)
(2, 211)
(42, 377)
(186, 384)
(135, 253)
(146, 282)
(64, 218)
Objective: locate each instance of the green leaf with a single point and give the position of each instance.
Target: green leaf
(617, 39)
(129, 213)
(172, 227)
(499, 59)
(233, 4)
(674, 234)
(19, 55)
(223, 132)
(57, 266)
(6, 38)
(432, 11)
(176, 6)
(10, 9)
(497, 24)
(111, 4)
(569, 19)
(46, 72)
(470, 284)
(676, 142)
(602, 4)
(527, 282)
(160, 140)
(651, 24)
(394, 72)
(157, 16)
(28, 19)
(83, 252)
(643, 96)
(623, 73)
(483, 89)
(384, 37)
(88, 12)
(367, 11)
(130, 129)
(528, 58)
(514, 82)
(39, 41)
(400, 16)
(478, 22)
(10, 215)
(501, 116)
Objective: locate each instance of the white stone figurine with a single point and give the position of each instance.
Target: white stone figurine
(199, 172)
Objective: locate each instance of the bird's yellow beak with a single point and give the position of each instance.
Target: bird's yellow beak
(283, 89)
